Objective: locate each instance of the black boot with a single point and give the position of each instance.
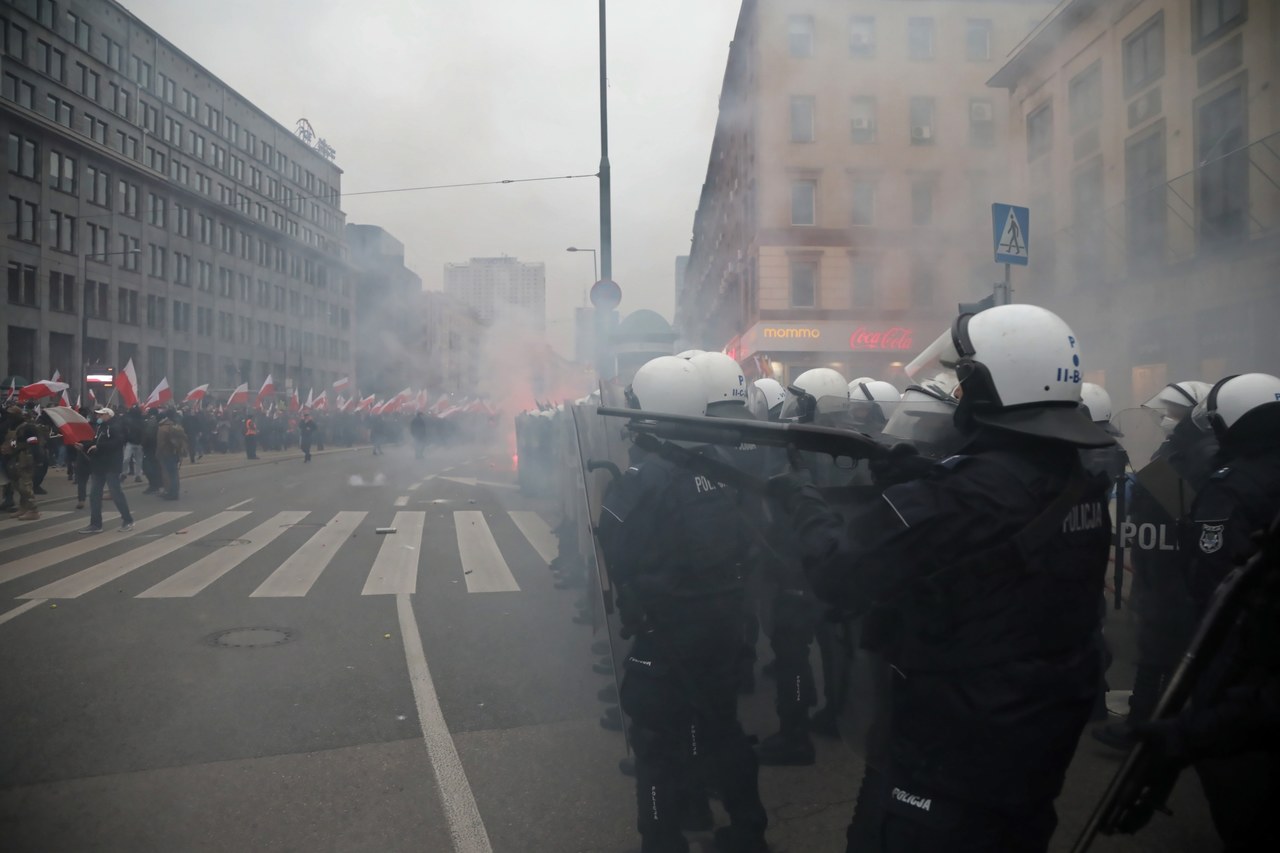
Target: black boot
(790, 747)
(824, 723)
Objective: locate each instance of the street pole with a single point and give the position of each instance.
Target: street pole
(603, 316)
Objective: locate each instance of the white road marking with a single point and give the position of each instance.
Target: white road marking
(242, 503)
(297, 574)
(471, 481)
(483, 566)
(403, 500)
(19, 610)
(117, 567)
(395, 569)
(45, 515)
(80, 546)
(538, 532)
(197, 576)
(463, 816)
(10, 542)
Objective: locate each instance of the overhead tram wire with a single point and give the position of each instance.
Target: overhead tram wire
(341, 195)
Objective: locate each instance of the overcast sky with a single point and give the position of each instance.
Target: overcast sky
(417, 92)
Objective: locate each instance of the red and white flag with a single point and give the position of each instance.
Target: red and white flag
(365, 404)
(321, 403)
(41, 389)
(71, 424)
(422, 401)
(350, 405)
(293, 401)
(311, 399)
(267, 390)
(55, 377)
(161, 396)
(195, 395)
(442, 404)
(127, 385)
(342, 385)
(240, 396)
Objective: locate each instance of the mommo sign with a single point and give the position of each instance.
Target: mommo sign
(826, 336)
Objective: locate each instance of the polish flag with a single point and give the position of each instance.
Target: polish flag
(127, 385)
(293, 401)
(43, 388)
(267, 390)
(55, 377)
(442, 404)
(196, 395)
(322, 402)
(240, 396)
(342, 384)
(159, 397)
(351, 404)
(71, 424)
(365, 404)
(66, 399)
(311, 399)
(422, 401)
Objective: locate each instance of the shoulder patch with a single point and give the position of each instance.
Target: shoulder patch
(1211, 536)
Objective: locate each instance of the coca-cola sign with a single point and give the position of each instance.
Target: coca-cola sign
(894, 338)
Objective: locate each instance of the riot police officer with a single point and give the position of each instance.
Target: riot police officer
(674, 545)
(987, 572)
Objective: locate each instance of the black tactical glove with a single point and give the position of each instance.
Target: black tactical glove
(902, 465)
(786, 488)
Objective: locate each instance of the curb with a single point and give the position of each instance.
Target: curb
(44, 500)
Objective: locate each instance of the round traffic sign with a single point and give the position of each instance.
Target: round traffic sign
(606, 295)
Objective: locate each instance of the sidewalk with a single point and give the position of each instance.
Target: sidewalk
(60, 490)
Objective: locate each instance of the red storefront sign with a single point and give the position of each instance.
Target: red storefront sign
(894, 338)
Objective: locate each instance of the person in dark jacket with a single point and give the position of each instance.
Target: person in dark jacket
(107, 461)
(984, 576)
(306, 432)
(418, 429)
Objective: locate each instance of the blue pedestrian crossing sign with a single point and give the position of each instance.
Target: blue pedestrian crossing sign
(1011, 230)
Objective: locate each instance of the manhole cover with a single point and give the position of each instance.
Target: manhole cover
(250, 638)
(220, 543)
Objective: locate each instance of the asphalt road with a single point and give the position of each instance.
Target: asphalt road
(255, 668)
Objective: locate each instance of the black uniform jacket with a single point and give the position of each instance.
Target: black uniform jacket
(996, 668)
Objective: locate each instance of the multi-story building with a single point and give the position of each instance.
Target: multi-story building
(450, 349)
(155, 214)
(388, 312)
(846, 208)
(1145, 138)
(488, 284)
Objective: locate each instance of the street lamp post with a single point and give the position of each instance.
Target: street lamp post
(595, 270)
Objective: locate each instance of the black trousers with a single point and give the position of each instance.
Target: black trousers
(680, 693)
(795, 617)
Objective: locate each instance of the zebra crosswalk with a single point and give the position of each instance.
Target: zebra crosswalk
(307, 545)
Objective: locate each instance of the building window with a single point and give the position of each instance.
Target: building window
(15, 41)
(22, 284)
(804, 283)
(924, 284)
(1144, 55)
(920, 38)
(62, 232)
(46, 12)
(59, 110)
(864, 284)
(62, 292)
(799, 35)
(19, 91)
(922, 202)
(24, 157)
(977, 39)
(922, 119)
(81, 32)
(1040, 132)
(99, 239)
(982, 124)
(99, 186)
(1084, 98)
(127, 196)
(156, 210)
(127, 145)
(864, 202)
(127, 306)
(97, 299)
(155, 312)
(1145, 182)
(129, 252)
(158, 261)
(804, 202)
(1222, 178)
(50, 60)
(1087, 224)
(802, 118)
(863, 122)
(1212, 18)
(862, 36)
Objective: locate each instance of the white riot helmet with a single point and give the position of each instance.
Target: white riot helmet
(1096, 399)
(1240, 409)
(826, 386)
(669, 385)
(722, 378)
(1020, 371)
(1176, 400)
(873, 391)
(765, 398)
(690, 353)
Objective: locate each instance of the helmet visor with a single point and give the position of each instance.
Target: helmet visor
(925, 420)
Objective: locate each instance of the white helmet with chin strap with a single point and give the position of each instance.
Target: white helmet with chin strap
(873, 391)
(690, 353)
(668, 385)
(1096, 399)
(722, 377)
(1020, 371)
(1241, 407)
(771, 390)
(1176, 400)
(825, 386)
